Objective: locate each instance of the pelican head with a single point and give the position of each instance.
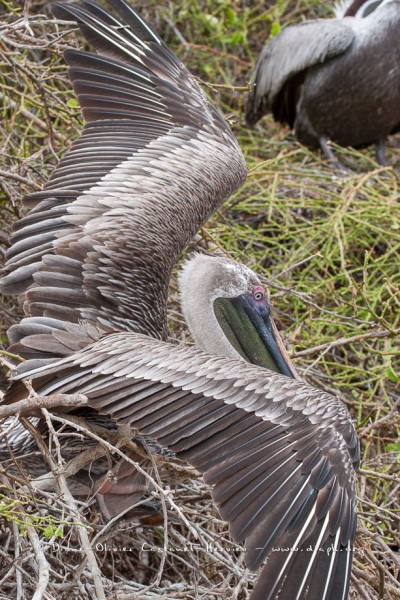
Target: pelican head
(356, 8)
(228, 313)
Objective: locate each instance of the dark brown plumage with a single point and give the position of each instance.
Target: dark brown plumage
(333, 79)
(93, 260)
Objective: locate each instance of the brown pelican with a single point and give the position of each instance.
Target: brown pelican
(93, 260)
(334, 79)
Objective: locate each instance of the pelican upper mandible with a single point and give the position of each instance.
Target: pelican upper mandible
(93, 260)
(334, 79)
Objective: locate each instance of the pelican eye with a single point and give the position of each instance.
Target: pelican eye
(258, 294)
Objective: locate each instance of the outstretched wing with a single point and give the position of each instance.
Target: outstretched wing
(282, 65)
(154, 161)
(280, 454)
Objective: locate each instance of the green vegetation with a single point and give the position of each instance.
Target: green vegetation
(12, 511)
(327, 244)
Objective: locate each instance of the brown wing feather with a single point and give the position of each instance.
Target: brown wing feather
(283, 62)
(154, 161)
(281, 466)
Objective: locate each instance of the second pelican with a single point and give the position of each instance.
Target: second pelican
(333, 79)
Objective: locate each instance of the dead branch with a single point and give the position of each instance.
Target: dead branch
(32, 404)
(71, 503)
(371, 335)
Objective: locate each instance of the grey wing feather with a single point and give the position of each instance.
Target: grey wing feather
(154, 161)
(292, 51)
(280, 454)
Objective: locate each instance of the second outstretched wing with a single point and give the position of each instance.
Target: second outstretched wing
(280, 454)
